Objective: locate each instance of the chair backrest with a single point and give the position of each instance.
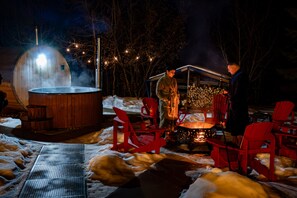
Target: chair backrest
(256, 134)
(151, 106)
(282, 110)
(122, 115)
(220, 107)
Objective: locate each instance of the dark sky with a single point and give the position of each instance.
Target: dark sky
(56, 14)
(200, 49)
(203, 14)
(60, 15)
(19, 19)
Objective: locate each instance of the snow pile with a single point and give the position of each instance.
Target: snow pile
(224, 184)
(13, 156)
(283, 165)
(194, 117)
(15, 159)
(126, 104)
(114, 168)
(106, 137)
(10, 122)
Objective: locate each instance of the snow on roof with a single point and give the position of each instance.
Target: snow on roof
(196, 69)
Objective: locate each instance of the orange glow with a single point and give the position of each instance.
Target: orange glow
(197, 125)
(200, 137)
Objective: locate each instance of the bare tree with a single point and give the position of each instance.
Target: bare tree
(248, 36)
(143, 37)
(291, 50)
(138, 37)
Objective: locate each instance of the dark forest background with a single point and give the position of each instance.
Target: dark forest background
(139, 37)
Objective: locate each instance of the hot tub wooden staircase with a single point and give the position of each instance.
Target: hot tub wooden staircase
(35, 119)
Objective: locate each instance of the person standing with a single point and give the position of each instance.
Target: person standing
(238, 117)
(167, 92)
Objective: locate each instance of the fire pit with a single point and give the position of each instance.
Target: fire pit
(69, 107)
(194, 133)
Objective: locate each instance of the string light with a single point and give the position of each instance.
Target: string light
(87, 56)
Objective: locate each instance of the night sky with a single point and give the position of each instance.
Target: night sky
(19, 18)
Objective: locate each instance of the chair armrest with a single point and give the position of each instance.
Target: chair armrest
(220, 144)
(150, 131)
(142, 109)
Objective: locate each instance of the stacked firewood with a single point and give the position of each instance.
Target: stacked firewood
(200, 97)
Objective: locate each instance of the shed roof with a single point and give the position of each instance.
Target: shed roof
(196, 69)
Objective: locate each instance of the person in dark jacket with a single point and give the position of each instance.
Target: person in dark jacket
(238, 102)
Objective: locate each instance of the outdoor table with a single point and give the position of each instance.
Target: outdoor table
(194, 133)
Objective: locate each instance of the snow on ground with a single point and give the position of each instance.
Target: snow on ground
(108, 169)
(213, 182)
(127, 104)
(16, 158)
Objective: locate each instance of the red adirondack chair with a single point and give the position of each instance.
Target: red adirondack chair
(142, 140)
(281, 113)
(286, 144)
(149, 110)
(182, 114)
(257, 139)
(219, 109)
(286, 141)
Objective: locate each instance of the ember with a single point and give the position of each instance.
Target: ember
(200, 137)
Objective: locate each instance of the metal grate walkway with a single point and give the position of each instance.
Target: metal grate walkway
(57, 172)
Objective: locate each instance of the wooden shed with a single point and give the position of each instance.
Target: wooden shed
(40, 66)
(189, 75)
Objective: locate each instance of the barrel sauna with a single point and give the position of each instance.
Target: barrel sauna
(69, 107)
(40, 66)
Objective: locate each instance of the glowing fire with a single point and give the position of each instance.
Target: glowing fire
(200, 137)
(198, 130)
(197, 125)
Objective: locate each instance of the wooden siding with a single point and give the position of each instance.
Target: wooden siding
(27, 74)
(70, 110)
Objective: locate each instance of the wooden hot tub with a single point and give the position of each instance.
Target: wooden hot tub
(69, 107)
